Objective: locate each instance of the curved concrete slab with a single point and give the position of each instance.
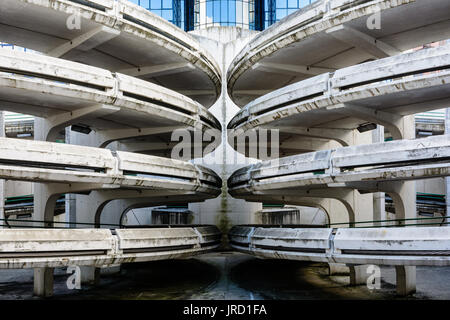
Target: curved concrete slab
(115, 105)
(29, 248)
(332, 34)
(122, 173)
(115, 35)
(363, 167)
(418, 246)
(333, 105)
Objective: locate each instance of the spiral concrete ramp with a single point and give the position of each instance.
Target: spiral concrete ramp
(332, 34)
(330, 86)
(115, 35)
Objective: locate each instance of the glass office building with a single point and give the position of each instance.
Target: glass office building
(247, 14)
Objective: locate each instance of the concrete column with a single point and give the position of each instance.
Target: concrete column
(405, 280)
(90, 275)
(406, 275)
(224, 211)
(379, 209)
(44, 207)
(82, 208)
(447, 179)
(2, 182)
(358, 275)
(71, 204)
(43, 282)
(338, 269)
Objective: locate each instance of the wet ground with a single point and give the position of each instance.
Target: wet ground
(227, 275)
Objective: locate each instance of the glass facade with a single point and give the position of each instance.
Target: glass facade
(171, 10)
(208, 13)
(284, 8)
(247, 14)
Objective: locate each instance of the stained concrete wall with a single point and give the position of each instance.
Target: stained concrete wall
(224, 43)
(436, 185)
(18, 188)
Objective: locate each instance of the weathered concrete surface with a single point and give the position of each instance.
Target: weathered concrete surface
(101, 169)
(49, 248)
(381, 246)
(228, 276)
(224, 211)
(364, 167)
(115, 106)
(116, 35)
(332, 107)
(328, 35)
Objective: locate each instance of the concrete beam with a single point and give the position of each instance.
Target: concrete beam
(40, 248)
(57, 123)
(158, 70)
(363, 41)
(396, 124)
(290, 68)
(345, 137)
(348, 197)
(86, 41)
(352, 246)
(138, 33)
(105, 137)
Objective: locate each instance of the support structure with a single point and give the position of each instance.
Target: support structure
(447, 180)
(2, 182)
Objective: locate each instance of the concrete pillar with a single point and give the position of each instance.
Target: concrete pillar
(338, 269)
(90, 275)
(2, 182)
(358, 275)
(224, 211)
(44, 207)
(70, 205)
(447, 179)
(43, 282)
(405, 280)
(406, 275)
(379, 209)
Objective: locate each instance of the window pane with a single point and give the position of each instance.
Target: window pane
(281, 13)
(304, 3)
(155, 4)
(223, 11)
(232, 12)
(167, 14)
(145, 4)
(209, 10)
(281, 4)
(216, 17)
(292, 4)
